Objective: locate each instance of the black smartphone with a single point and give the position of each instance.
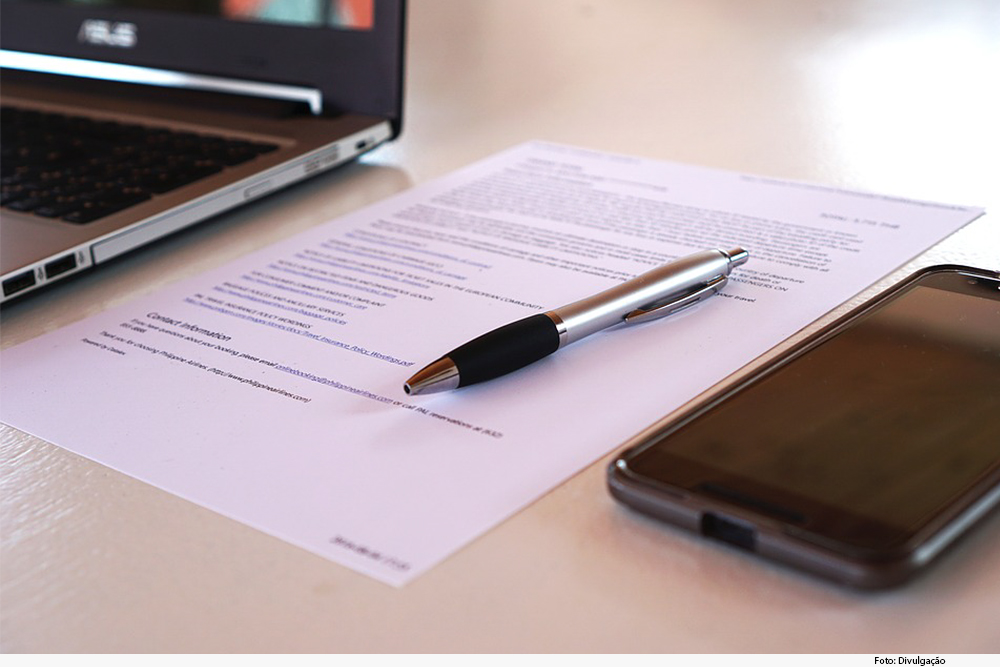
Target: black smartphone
(859, 454)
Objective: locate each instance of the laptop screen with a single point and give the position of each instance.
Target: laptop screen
(349, 50)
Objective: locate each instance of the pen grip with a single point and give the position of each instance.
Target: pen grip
(506, 349)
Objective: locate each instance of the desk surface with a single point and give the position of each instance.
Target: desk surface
(893, 96)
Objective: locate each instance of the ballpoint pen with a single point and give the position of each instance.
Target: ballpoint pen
(654, 294)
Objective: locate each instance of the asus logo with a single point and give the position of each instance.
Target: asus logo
(108, 33)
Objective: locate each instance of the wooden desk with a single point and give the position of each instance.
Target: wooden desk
(892, 96)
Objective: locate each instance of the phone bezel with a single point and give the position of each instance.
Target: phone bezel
(877, 555)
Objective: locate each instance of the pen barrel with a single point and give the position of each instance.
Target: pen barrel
(506, 349)
(608, 308)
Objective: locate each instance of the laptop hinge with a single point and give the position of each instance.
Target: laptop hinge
(114, 72)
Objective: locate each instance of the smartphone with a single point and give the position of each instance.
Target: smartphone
(860, 454)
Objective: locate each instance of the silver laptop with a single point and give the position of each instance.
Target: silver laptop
(126, 120)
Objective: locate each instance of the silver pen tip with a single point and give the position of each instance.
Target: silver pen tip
(737, 256)
(440, 375)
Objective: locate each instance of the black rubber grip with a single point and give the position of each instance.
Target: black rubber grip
(506, 349)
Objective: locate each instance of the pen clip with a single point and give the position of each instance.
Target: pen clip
(670, 306)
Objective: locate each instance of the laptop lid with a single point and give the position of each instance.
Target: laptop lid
(349, 51)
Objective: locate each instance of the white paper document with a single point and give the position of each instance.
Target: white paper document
(271, 389)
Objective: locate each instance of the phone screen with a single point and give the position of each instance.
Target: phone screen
(868, 435)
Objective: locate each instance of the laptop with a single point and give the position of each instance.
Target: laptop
(126, 120)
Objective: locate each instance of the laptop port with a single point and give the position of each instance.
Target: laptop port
(21, 281)
(729, 531)
(60, 266)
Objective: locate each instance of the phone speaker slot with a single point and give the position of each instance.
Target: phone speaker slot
(725, 530)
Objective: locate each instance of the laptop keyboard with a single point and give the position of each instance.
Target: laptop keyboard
(79, 169)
